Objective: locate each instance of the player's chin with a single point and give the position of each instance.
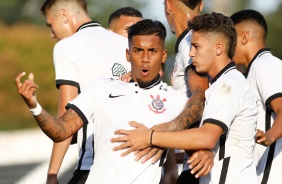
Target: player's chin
(144, 82)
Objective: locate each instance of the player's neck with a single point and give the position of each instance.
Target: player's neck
(147, 85)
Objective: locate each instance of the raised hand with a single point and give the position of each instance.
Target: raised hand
(27, 89)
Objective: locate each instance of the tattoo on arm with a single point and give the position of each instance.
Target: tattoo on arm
(192, 111)
(59, 129)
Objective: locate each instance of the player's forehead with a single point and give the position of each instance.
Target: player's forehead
(146, 40)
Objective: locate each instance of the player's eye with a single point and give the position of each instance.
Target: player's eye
(137, 50)
(153, 50)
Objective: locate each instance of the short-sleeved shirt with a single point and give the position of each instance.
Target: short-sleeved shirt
(90, 53)
(182, 62)
(111, 104)
(265, 76)
(231, 104)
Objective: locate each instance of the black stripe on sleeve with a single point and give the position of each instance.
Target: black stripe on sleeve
(78, 111)
(67, 82)
(217, 122)
(267, 102)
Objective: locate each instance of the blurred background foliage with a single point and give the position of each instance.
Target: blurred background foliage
(25, 45)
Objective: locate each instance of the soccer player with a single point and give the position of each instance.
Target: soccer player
(264, 74)
(228, 125)
(86, 51)
(110, 104)
(121, 19)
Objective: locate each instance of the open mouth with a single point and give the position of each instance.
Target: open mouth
(145, 72)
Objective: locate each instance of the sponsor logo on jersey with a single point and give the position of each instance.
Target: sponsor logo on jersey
(157, 104)
(118, 70)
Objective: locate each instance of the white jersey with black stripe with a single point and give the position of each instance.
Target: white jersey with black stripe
(91, 53)
(231, 104)
(265, 76)
(111, 104)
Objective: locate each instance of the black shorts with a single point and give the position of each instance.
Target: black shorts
(79, 177)
(187, 178)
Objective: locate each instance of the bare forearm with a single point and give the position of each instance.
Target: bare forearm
(54, 128)
(187, 140)
(194, 107)
(275, 132)
(191, 113)
(58, 153)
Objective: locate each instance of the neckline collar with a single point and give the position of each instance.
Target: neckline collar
(88, 24)
(181, 36)
(226, 69)
(258, 54)
(154, 82)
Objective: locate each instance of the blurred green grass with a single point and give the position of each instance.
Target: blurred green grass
(28, 48)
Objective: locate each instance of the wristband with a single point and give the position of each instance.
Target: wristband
(37, 110)
(151, 137)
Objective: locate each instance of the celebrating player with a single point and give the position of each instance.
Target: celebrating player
(110, 104)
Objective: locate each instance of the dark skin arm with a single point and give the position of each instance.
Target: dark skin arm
(275, 132)
(58, 129)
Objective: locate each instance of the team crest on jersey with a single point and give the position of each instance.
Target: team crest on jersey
(157, 104)
(118, 70)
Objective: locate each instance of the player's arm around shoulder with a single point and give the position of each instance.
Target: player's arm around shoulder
(193, 110)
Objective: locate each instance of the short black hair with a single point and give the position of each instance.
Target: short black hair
(47, 5)
(147, 27)
(191, 3)
(250, 16)
(126, 11)
(216, 23)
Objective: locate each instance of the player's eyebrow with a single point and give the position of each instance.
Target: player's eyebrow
(49, 25)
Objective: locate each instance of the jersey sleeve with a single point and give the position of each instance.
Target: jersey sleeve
(221, 104)
(269, 79)
(184, 50)
(66, 68)
(87, 101)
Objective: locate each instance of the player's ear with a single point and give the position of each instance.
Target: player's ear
(201, 5)
(164, 56)
(244, 38)
(127, 55)
(168, 7)
(63, 15)
(219, 49)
